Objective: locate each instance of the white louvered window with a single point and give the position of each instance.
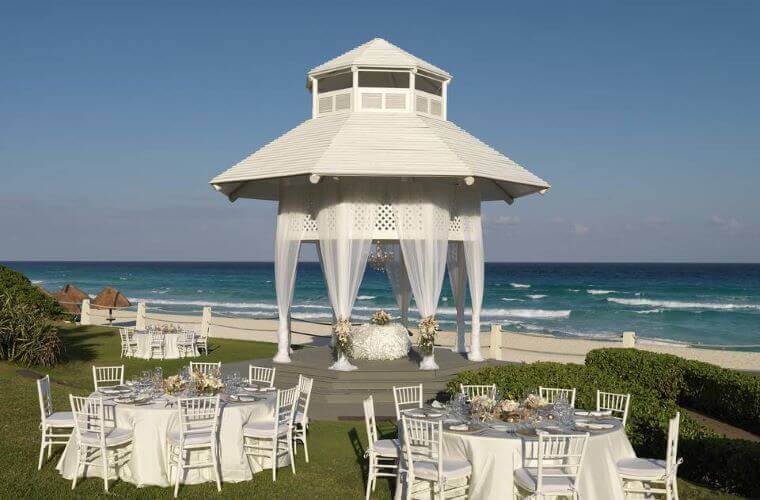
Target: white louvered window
(421, 104)
(342, 102)
(395, 101)
(435, 107)
(372, 100)
(325, 104)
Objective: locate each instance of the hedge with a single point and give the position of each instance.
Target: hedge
(726, 464)
(18, 286)
(728, 395)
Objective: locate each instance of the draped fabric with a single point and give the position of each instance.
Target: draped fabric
(396, 271)
(472, 236)
(458, 279)
(287, 245)
(346, 223)
(422, 220)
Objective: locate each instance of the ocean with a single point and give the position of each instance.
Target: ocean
(699, 304)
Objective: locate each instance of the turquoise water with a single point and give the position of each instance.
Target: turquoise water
(693, 303)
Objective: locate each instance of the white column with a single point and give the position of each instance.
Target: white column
(206, 321)
(412, 76)
(140, 318)
(629, 339)
(445, 100)
(355, 89)
(494, 348)
(85, 316)
(314, 97)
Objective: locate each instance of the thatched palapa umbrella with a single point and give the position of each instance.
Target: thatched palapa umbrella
(110, 298)
(70, 297)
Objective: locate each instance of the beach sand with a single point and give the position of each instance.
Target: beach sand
(516, 347)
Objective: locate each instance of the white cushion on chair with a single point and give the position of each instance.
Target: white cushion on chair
(527, 478)
(263, 429)
(452, 469)
(192, 438)
(60, 419)
(114, 437)
(644, 468)
(386, 447)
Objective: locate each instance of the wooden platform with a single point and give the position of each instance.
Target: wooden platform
(339, 395)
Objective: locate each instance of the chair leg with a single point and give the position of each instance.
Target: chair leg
(675, 488)
(370, 474)
(214, 451)
(104, 457)
(42, 448)
(290, 453)
(305, 446)
(275, 445)
(178, 470)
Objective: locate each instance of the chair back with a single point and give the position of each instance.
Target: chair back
(189, 336)
(554, 394)
(304, 395)
(559, 456)
(107, 376)
(89, 416)
(46, 399)
(261, 375)
(410, 396)
(671, 460)
(124, 336)
(369, 421)
(616, 403)
(286, 402)
(206, 368)
(422, 442)
(198, 415)
(473, 391)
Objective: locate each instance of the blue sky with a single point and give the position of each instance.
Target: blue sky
(644, 116)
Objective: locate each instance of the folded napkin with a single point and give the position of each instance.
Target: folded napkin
(593, 427)
(437, 404)
(584, 413)
(460, 427)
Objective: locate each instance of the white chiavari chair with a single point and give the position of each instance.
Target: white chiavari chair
(206, 368)
(186, 344)
(261, 375)
(383, 454)
(473, 391)
(301, 418)
(407, 397)
(640, 474)
(198, 430)
(156, 347)
(128, 342)
(553, 394)
(426, 465)
(107, 376)
(201, 342)
(273, 439)
(56, 426)
(558, 459)
(616, 403)
(98, 442)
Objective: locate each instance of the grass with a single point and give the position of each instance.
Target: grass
(336, 470)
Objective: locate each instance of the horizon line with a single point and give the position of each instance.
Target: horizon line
(106, 261)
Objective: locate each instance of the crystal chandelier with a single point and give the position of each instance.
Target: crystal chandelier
(379, 258)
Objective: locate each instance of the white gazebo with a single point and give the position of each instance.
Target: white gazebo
(380, 161)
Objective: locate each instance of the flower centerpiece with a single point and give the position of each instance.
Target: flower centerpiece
(428, 329)
(207, 383)
(534, 402)
(342, 338)
(174, 384)
(380, 318)
(482, 407)
(168, 328)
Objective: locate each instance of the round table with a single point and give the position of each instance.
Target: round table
(495, 454)
(171, 351)
(146, 465)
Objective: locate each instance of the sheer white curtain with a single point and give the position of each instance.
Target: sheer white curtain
(458, 279)
(472, 232)
(399, 280)
(422, 211)
(291, 214)
(346, 222)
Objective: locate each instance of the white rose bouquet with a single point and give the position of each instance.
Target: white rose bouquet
(534, 401)
(342, 331)
(174, 384)
(428, 328)
(380, 318)
(207, 384)
(482, 407)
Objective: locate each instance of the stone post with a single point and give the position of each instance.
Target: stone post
(629, 339)
(494, 349)
(206, 321)
(85, 316)
(140, 318)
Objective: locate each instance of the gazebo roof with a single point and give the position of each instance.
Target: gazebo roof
(377, 145)
(378, 53)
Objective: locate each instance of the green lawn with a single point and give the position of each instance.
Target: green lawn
(336, 469)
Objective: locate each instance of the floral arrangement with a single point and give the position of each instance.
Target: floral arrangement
(207, 383)
(482, 407)
(342, 331)
(428, 328)
(534, 401)
(174, 384)
(168, 329)
(507, 406)
(380, 318)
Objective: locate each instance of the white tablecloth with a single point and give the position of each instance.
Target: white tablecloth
(171, 351)
(495, 454)
(146, 465)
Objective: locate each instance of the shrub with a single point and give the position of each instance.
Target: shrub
(18, 286)
(727, 395)
(27, 336)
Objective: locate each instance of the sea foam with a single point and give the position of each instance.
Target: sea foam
(677, 304)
